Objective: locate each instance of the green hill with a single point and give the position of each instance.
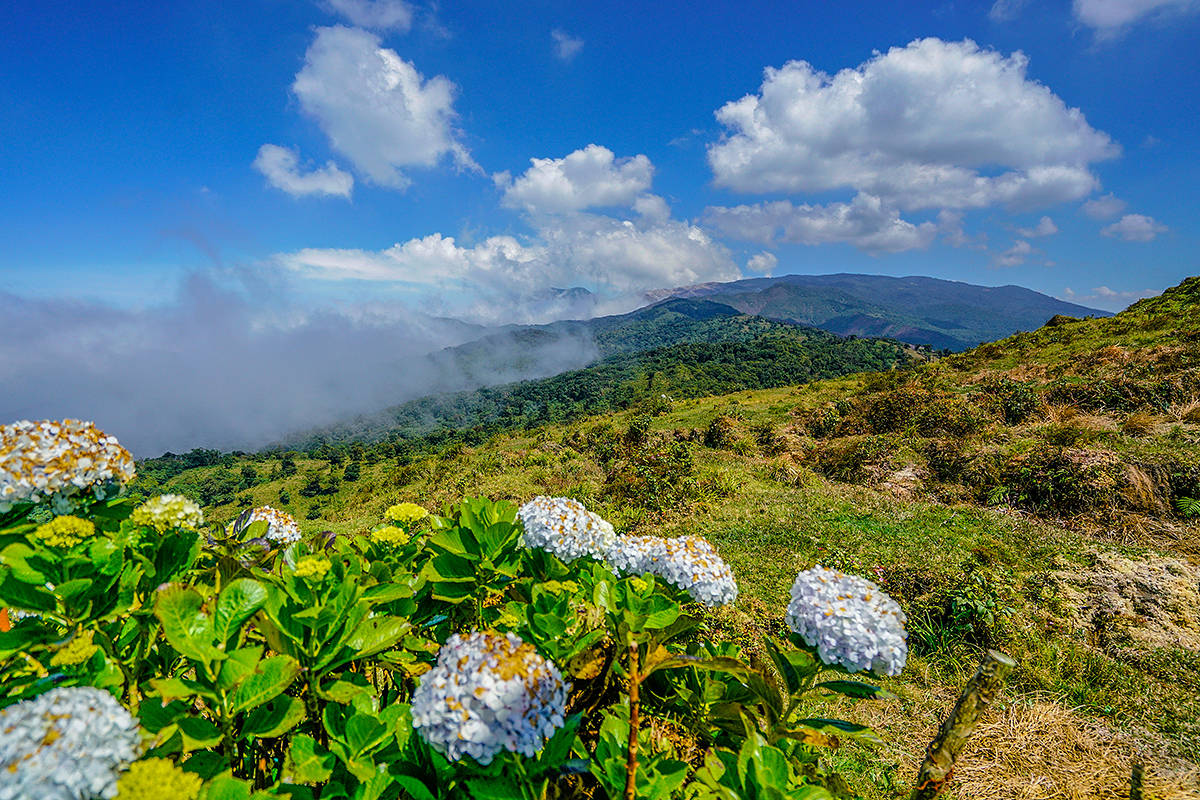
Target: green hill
(1036, 495)
(943, 314)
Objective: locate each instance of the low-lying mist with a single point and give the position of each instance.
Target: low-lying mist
(219, 369)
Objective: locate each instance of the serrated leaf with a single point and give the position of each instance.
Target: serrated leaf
(856, 689)
(270, 678)
(238, 666)
(308, 762)
(274, 718)
(237, 603)
(198, 733)
(186, 626)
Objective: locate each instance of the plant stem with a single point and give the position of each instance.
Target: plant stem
(631, 762)
(958, 727)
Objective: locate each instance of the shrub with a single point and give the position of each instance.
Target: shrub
(722, 432)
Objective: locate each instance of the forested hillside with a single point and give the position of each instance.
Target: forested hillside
(1037, 495)
(917, 310)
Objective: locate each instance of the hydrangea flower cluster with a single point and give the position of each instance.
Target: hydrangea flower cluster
(76, 651)
(169, 511)
(489, 692)
(849, 620)
(405, 513)
(50, 460)
(687, 562)
(67, 744)
(281, 526)
(65, 532)
(157, 778)
(562, 526)
(389, 535)
(312, 567)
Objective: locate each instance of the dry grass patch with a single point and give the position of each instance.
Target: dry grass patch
(1039, 750)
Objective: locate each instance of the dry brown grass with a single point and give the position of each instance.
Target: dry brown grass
(1140, 423)
(1039, 750)
(1185, 411)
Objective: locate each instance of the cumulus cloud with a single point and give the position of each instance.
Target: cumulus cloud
(934, 124)
(1106, 298)
(588, 178)
(232, 368)
(1109, 17)
(1105, 207)
(1135, 228)
(866, 222)
(281, 167)
(1013, 256)
(603, 254)
(379, 15)
(763, 264)
(376, 108)
(566, 46)
(1045, 227)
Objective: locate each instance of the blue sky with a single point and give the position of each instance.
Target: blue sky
(351, 152)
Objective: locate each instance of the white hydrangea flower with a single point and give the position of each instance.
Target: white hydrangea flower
(281, 526)
(687, 562)
(489, 692)
(67, 744)
(169, 511)
(562, 526)
(849, 620)
(49, 460)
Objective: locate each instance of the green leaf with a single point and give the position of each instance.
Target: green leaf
(237, 603)
(493, 789)
(227, 787)
(184, 623)
(841, 727)
(15, 593)
(377, 633)
(240, 663)
(364, 732)
(414, 787)
(856, 689)
(179, 688)
(308, 762)
(269, 679)
(275, 718)
(198, 733)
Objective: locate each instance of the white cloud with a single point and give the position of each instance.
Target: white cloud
(601, 253)
(916, 126)
(1109, 17)
(566, 46)
(1045, 227)
(1135, 228)
(281, 167)
(1013, 256)
(379, 15)
(1105, 207)
(1106, 298)
(866, 222)
(763, 264)
(1005, 10)
(587, 178)
(376, 108)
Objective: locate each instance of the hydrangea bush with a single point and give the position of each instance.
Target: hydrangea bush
(486, 650)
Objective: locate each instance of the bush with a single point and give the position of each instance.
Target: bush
(307, 672)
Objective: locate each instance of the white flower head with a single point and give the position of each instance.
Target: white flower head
(281, 526)
(489, 692)
(169, 511)
(49, 460)
(67, 744)
(687, 562)
(564, 527)
(849, 620)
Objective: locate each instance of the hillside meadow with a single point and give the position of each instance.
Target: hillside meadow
(1031, 495)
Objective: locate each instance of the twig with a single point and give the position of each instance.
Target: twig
(1135, 782)
(631, 762)
(952, 736)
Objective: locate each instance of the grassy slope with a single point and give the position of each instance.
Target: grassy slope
(770, 515)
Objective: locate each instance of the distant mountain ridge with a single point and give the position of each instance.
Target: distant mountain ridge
(916, 310)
